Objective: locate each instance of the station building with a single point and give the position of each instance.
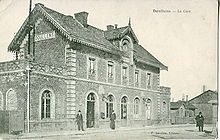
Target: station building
(72, 65)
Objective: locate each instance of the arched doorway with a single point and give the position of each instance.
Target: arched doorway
(90, 111)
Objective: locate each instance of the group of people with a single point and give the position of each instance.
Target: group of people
(79, 120)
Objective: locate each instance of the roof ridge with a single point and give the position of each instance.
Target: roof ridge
(151, 55)
(54, 11)
(95, 27)
(115, 29)
(203, 93)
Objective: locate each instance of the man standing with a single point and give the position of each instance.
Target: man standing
(200, 121)
(79, 121)
(112, 120)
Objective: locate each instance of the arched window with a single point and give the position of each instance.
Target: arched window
(46, 104)
(164, 108)
(124, 107)
(1, 101)
(148, 109)
(91, 97)
(136, 107)
(109, 106)
(125, 44)
(11, 100)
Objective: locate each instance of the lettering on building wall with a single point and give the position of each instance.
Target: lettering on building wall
(45, 36)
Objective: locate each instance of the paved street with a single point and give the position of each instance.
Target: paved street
(169, 132)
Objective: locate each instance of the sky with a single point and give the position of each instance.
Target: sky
(186, 42)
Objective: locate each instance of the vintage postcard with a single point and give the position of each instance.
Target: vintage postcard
(108, 70)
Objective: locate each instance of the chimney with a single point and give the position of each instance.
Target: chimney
(203, 88)
(183, 97)
(110, 27)
(187, 96)
(39, 4)
(116, 26)
(82, 17)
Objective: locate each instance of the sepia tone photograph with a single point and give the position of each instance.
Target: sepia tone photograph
(108, 70)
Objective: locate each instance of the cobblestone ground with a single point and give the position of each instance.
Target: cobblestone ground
(181, 132)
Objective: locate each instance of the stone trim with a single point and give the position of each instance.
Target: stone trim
(97, 82)
(111, 84)
(71, 83)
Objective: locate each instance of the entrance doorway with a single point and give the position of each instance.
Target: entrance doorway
(90, 112)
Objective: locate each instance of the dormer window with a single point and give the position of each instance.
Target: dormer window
(125, 44)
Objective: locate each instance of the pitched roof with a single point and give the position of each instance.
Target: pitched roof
(89, 35)
(178, 104)
(77, 31)
(120, 32)
(144, 56)
(205, 97)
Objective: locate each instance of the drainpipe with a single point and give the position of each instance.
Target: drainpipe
(28, 69)
(28, 97)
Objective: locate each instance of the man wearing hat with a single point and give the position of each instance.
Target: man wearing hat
(112, 120)
(200, 121)
(79, 120)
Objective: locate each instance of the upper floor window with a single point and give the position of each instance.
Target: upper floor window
(110, 69)
(148, 79)
(124, 72)
(91, 65)
(136, 76)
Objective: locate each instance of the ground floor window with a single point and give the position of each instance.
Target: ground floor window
(11, 100)
(136, 107)
(124, 107)
(164, 107)
(109, 106)
(46, 104)
(148, 109)
(1, 101)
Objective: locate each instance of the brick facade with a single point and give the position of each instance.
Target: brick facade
(62, 69)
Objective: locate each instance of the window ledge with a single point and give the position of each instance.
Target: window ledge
(47, 120)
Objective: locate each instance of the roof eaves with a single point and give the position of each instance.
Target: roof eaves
(17, 35)
(161, 66)
(132, 32)
(78, 40)
(55, 23)
(202, 94)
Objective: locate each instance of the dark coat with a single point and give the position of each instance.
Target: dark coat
(112, 120)
(199, 120)
(113, 117)
(79, 118)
